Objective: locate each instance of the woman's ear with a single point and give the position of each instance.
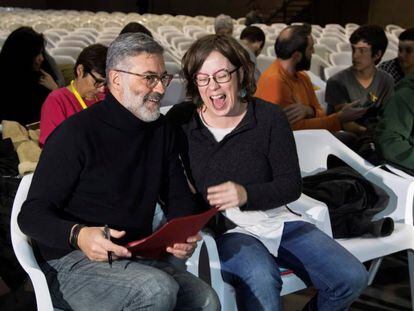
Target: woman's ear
(80, 71)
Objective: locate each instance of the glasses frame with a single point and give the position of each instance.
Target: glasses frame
(148, 83)
(230, 72)
(97, 82)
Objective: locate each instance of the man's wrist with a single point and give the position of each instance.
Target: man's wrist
(74, 235)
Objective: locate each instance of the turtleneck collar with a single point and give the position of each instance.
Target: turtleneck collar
(114, 113)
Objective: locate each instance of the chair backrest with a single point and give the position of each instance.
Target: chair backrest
(341, 58)
(330, 42)
(344, 47)
(314, 147)
(175, 93)
(318, 65)
(263, 62)
(24, 251)
(331, 71)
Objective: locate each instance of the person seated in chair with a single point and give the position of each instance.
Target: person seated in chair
(286, 83)
(394, 132)
(85, 90)
(108, 165)
(240, 156)
(404, 63)
(223, 25)
(362, 83)
(253, 39)
(26, 85)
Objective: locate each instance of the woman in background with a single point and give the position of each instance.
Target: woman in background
(85, 90)
(24, 85)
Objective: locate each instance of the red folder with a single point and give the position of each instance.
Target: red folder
(176, 230)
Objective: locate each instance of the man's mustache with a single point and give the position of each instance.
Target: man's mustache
(154, 96)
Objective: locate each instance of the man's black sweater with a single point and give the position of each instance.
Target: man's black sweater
(104, 166)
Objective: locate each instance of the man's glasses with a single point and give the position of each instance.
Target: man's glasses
(97, 81)
(151, 79)
(221, 76)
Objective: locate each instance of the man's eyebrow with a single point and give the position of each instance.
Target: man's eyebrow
(149, 72)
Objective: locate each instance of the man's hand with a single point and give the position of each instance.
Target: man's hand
(47, 81)
(227, 195)
(185, 250)
(92, 242)
(351, 112)
(297, 112)
(354, 127)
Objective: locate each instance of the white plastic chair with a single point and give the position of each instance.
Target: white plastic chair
(24, 251)
(175, 93)
(314, 146)
(64, 59)
(70, 51)
(172, 68)
(72, 43)
(344, 47)
(262, 62)
(331, 71)
(318, 65)
(341, 58)
(330, 42)
(291, 283)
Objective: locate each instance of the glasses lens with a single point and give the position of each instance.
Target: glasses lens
(222, 76)
(202, 79)
(166, 80)
(152, 80)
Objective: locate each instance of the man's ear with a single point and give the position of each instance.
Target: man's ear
(378, 56)
(297, 56)
(114, 80)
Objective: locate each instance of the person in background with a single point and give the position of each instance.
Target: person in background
(85, 90)
(223, 25)
(109, 165)
(362, 83)
(286, 83)
(240, 156)
(394, 134)
(253, 39)
(404, 63)
(24, 85)
(135, 27)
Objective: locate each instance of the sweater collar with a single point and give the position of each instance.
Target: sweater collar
(115, 114)
(248, 121)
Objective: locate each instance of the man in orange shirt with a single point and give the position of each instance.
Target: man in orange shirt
(285, 83)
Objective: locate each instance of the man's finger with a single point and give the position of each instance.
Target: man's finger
(118, 250)
(116, 233)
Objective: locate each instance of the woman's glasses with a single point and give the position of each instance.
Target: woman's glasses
(221, 76)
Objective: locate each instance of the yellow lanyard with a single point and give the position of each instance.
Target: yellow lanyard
(76, 93)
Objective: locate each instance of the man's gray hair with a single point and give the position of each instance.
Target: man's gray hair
(223, 22)
(130, 45)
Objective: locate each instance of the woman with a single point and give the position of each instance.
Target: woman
(85, 90)
(24, 85)
(240, 154)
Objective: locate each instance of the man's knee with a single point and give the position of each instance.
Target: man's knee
(159, 291)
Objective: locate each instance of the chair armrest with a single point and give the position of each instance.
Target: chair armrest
(314, 211)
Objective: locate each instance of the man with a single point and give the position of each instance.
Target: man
(394, 133)
(253, 39)
(362, 82)
(108, 165)
(223, 25)
(404, 63)
(285, 83)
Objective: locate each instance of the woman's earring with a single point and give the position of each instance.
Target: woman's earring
(242, 93)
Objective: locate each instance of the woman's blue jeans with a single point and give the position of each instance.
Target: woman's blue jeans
(313, 256)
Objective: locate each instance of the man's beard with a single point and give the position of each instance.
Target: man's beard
(137, 105)
(304, 64)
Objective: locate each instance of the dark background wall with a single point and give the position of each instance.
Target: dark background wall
(321, 11)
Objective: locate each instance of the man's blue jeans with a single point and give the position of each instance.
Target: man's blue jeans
(313, 256)
(76, 283)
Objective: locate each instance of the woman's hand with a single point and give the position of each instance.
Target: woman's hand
(226, 195)
(47, 81)
(185, 250)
